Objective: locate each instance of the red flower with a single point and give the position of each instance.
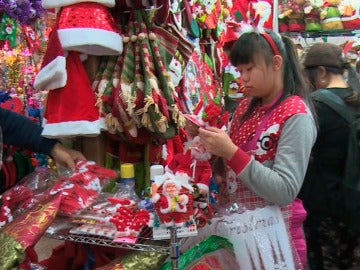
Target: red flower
(214, 116)
(211, 113)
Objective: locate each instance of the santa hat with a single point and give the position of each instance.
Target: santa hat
(48, 4)
(52, 73)
(72, 110)
(89, 28)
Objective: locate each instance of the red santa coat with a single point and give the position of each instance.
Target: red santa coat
(164, 211)
(200, 171)
(170, 204)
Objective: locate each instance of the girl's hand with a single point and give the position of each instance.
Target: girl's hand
(217, 142)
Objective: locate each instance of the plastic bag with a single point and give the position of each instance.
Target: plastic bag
(213, 253)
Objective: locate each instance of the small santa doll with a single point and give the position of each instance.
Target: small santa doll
(171, 204)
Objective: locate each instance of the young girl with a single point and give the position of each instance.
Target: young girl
(272, 131)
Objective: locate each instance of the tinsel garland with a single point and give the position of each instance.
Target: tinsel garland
(24, 11)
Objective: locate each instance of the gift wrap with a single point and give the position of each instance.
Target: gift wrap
(25, 231)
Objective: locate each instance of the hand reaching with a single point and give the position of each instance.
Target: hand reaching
(65, 156)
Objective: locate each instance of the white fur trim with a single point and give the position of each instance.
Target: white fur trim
(200, 205)
(47, 4)
(185, 201)
(91, 41)
(188, 187)
(203, 187)
(182, 178)
(73, 128)
(52, 76)
(331, 20)
(167, 169)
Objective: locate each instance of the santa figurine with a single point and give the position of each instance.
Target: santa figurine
(193, 167)
(173, 202)
(194, 163)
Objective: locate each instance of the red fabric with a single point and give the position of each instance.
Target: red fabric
(155, 153)
(296, 230)
(53, 50)
(131, 153)
(31, 257)
(76, 100)
(87, 15)
(73, 256)
(14, 104)
(183, 163)
(239, 161)
(351, 24)
(170, 151)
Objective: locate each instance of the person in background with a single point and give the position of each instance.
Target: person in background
(272, 130)
(17, 130)
(357, 66)
(330, 242)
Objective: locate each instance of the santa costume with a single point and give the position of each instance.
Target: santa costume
(81, 28)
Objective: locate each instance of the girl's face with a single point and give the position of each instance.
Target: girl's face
(258, 78)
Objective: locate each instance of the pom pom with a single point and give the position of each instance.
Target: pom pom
(152, 36)
(142, 36)
(133, 38)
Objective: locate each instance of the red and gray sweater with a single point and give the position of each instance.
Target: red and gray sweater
(273, 172)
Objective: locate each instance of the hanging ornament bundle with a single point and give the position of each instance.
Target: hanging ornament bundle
(8, 31)
(144, 102)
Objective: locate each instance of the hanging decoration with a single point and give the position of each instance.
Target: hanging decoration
(8, 30)
(23, 11)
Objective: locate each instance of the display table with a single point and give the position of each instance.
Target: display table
(61, 227)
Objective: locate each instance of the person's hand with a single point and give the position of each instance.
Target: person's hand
(65, 156)
(217, 142)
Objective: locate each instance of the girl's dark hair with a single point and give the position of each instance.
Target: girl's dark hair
(252, 44)
(353, 96)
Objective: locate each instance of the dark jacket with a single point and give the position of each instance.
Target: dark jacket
(321, 189)
(17, 130)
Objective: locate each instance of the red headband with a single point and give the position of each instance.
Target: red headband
(271, 42)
